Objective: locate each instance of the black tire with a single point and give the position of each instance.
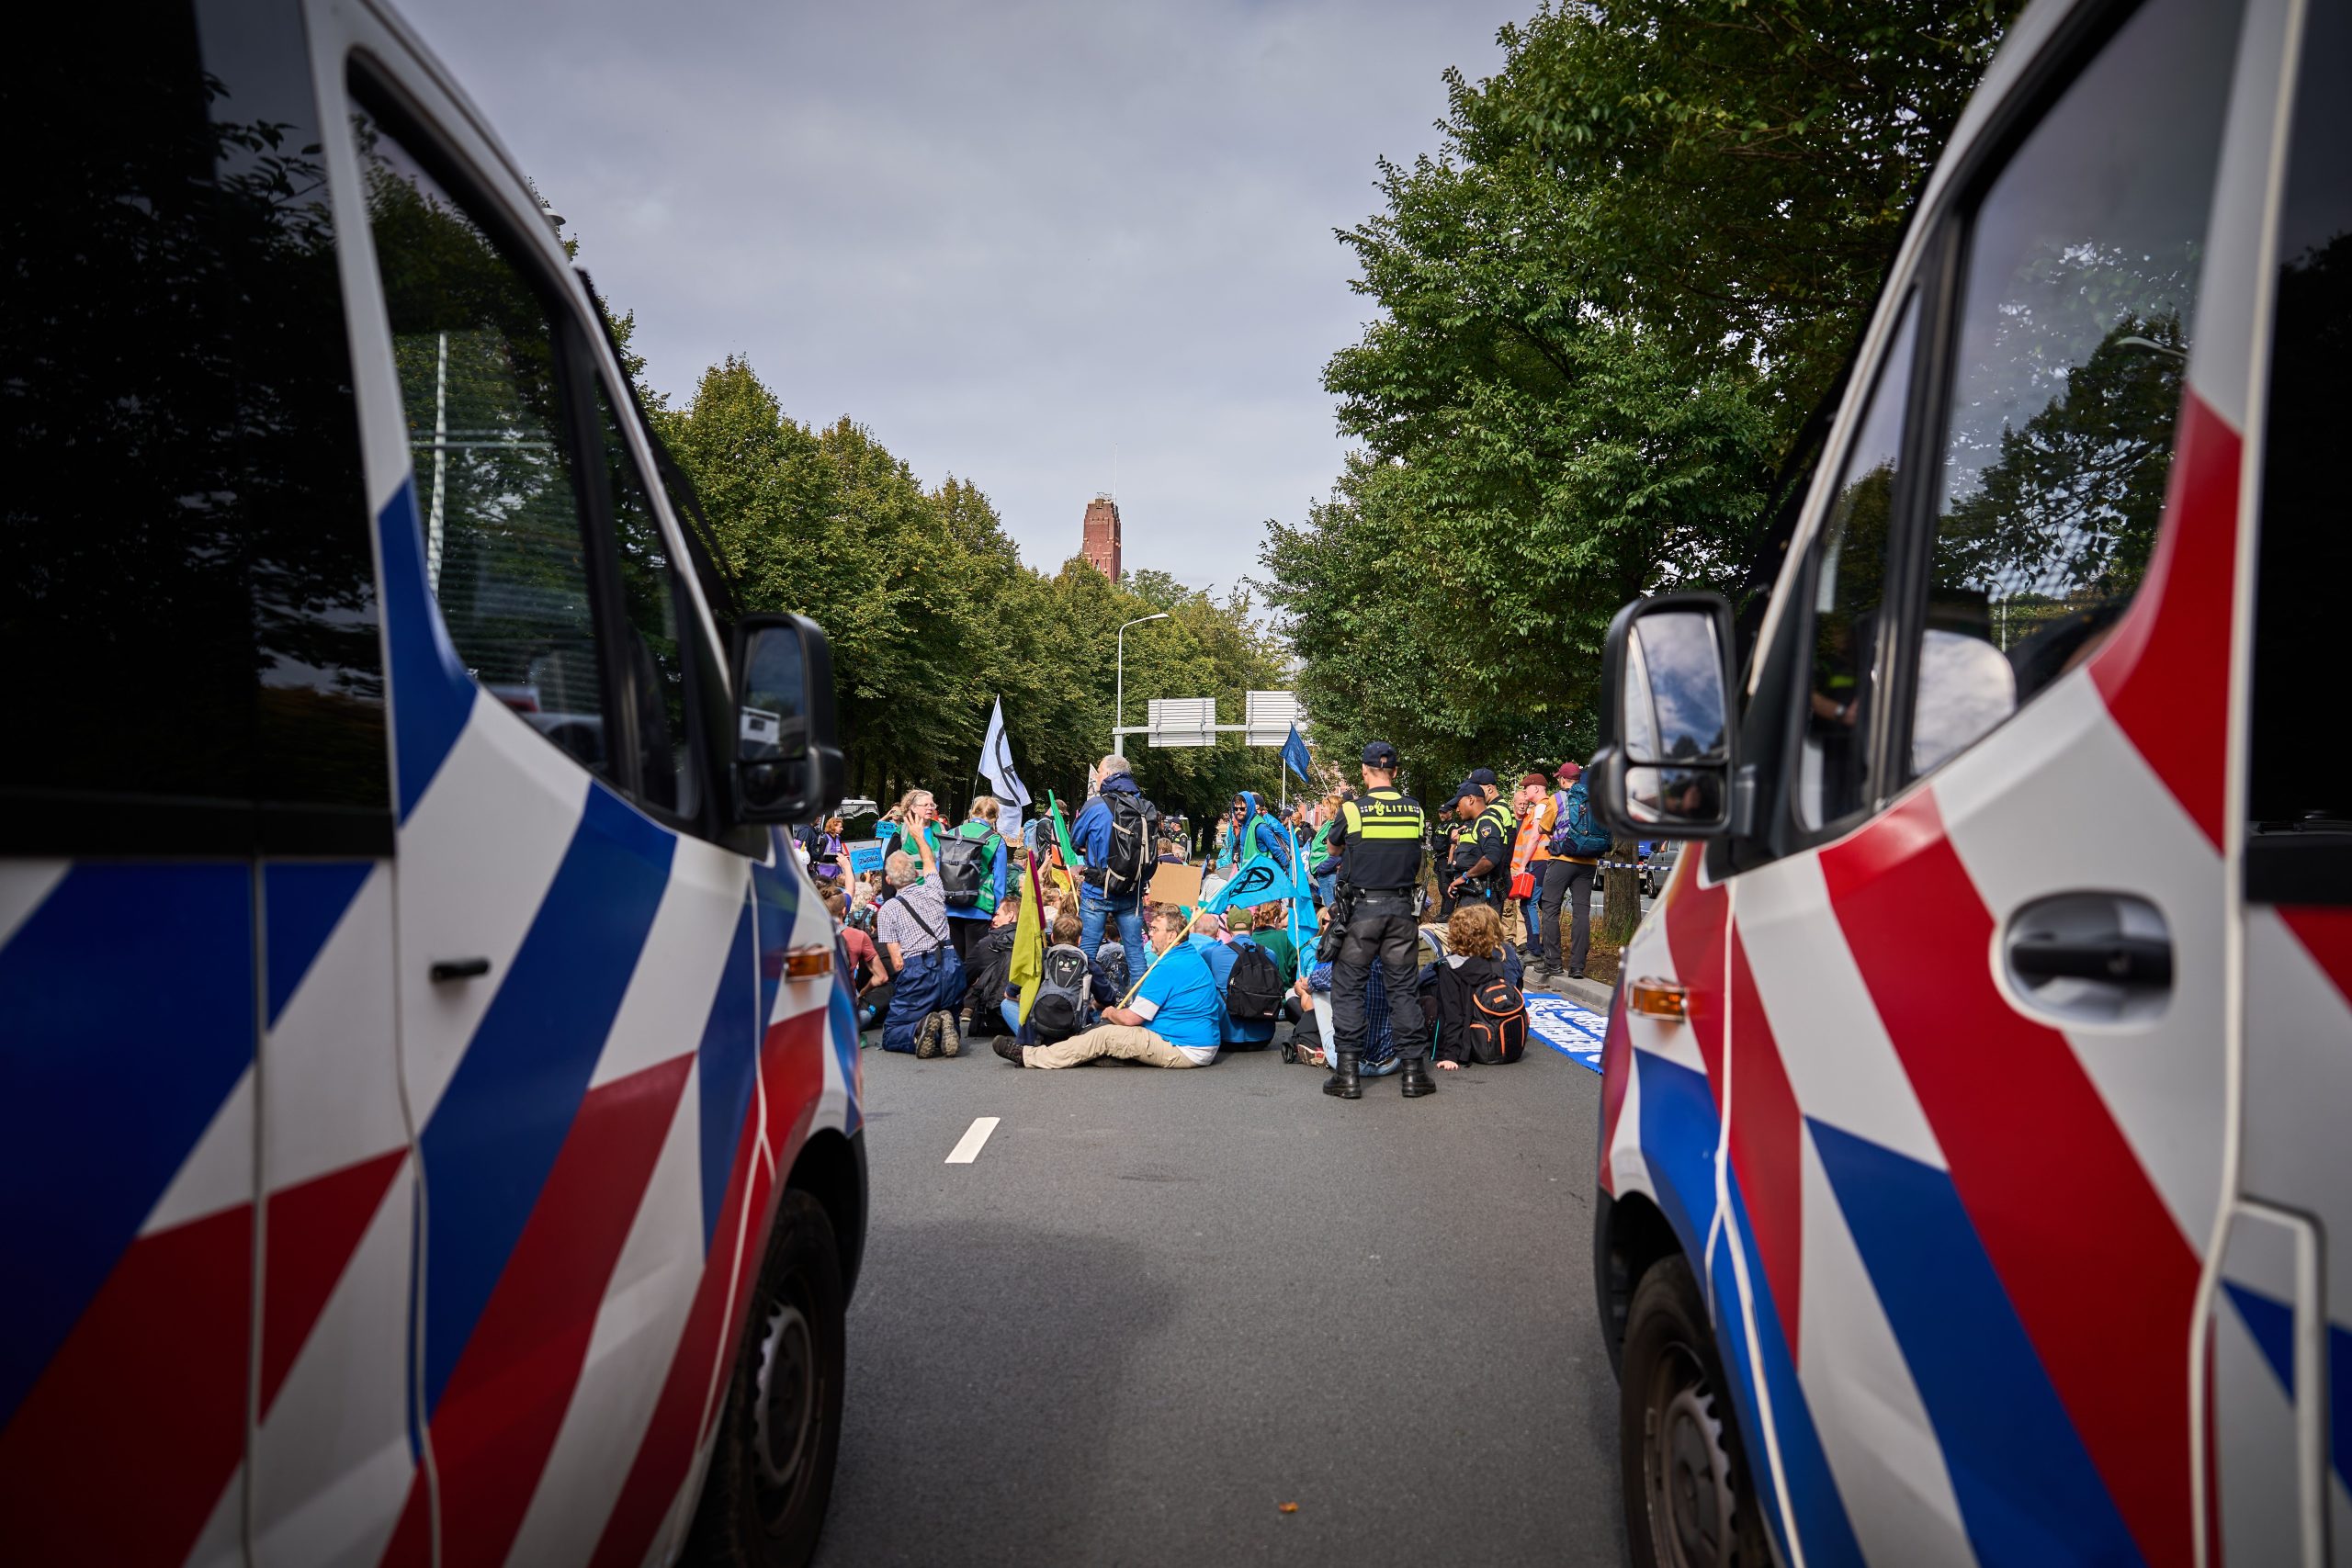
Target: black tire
(1688, 1501)
(771, 1472)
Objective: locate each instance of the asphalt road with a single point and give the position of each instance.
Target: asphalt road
(1160, 1304)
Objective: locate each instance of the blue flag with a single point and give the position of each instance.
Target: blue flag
(1295, 755)
(1263, 879)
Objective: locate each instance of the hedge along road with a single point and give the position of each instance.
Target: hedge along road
(1152, 1307)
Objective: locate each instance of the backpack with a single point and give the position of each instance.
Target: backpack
(1134, 832)
(1063, 994)
(992, 960)
(1497, 1022)
(965, 866)
(1254, 991)
(1577, 833)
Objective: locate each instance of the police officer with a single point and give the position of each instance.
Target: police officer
(1378, 837)
(1477, 851)
(1482, 848)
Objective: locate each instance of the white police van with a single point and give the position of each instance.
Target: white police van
(1974, 1183)
(429, 1123)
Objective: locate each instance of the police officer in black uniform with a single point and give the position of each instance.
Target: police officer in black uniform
(1482, 851)
(1378, 837)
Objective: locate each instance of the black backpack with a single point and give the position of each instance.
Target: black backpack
(992, 964)
(1496, 1019)
(1253, 991)
(1133, 854)
(1060, 1009)
(965, 866)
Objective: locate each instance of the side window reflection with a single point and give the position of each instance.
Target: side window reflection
(1849, 588)
(2077, 309)
(504, 548)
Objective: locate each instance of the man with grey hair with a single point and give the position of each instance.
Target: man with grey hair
(911, 932)
(1113, 836)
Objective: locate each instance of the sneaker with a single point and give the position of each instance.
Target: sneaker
(1009, 1047)
(951, 1039)
(927, 1038)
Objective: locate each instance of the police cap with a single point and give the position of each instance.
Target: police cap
(1380, 754)
(1482, 775)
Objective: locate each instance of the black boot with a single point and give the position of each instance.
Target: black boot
(1344, 1081)
(1416, 1078)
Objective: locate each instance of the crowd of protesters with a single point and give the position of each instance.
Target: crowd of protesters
(931, 938)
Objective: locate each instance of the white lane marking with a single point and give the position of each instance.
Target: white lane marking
(967, 1148)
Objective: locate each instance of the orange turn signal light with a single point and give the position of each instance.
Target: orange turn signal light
(809, 963)
(1653, 998)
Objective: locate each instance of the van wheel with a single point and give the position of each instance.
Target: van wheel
(772, 1471)
(1688, 1500)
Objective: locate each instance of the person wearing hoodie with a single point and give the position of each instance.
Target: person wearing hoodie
(1256, 831)
(1092, 837)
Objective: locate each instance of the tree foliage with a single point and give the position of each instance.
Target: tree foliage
(1604, 308)
(933, 617)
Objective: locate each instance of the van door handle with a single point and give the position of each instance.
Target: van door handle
(448, 969)
(2090, 958)
(2118, 960)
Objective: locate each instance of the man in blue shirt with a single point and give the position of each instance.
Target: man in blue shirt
(1090, 837)
(1221, 948)
(1176, 1018)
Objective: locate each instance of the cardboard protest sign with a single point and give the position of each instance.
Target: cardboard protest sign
(865, 855)
(1176, 885)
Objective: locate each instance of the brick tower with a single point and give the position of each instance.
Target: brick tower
(1100, 541)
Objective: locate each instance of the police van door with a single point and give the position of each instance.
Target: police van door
(1977, 1089)
(2280, 1339)
(571, 942)
(194, 912)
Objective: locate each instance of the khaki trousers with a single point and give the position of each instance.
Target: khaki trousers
(1136, 1045)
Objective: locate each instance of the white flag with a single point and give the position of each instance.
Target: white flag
(996, 761)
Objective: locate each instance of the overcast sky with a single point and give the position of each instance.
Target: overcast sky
(1008, 238)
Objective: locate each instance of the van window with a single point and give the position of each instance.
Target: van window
(187, 597)
(2077, 307)
(2299, 796)
(655, 658)
(1849, 585)
(504, 550)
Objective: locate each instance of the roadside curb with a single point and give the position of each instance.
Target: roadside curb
(1585, 993)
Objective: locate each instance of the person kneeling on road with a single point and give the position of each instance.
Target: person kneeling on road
(1174, 1019)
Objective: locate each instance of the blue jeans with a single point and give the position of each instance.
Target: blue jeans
(1094, 909)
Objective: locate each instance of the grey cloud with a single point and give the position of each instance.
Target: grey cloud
(1004, 237)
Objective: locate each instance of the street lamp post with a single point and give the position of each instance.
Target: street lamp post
(1119, 701)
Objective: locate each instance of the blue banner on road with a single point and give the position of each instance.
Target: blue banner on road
(1573, 1032)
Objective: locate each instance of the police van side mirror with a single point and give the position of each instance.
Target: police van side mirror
(788, 764)
(1666, 763)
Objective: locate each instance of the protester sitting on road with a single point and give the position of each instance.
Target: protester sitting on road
(1168, 853)
(1174, 1019)
(1091, 995)
(989, 971)
(1475, 954)
(912, 931)
(1222, 946)
(1118, 809)
(867, 979)
(1269, 925)
(1379, 1058)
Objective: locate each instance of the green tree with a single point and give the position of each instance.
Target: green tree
(1604, 308)
(933, 617)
